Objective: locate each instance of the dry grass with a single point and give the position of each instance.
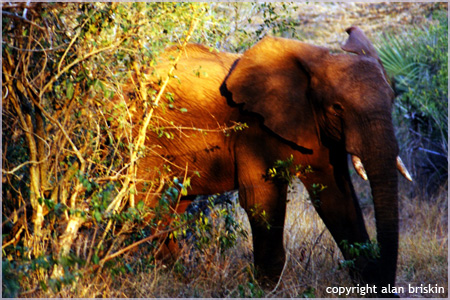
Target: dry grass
(423, 257)
(312, 265)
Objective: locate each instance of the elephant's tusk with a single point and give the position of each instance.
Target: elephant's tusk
(401, 167)
(357, 163)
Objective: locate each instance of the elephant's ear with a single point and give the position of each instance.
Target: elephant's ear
(272, 79)
(360, 44)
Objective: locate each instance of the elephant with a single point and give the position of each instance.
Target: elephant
(298, 101)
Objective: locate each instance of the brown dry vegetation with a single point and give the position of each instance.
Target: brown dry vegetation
(314, 260)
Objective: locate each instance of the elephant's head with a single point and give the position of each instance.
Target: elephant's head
(307, 95)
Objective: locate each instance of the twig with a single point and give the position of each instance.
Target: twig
(431, 152)
(316, 242)
(74, 39)
(26, 9)
(147, 239)
(30, 161)
(143, 129)
(26, 293)
(21, 166)
(88, 260)
(44, 65)
(35, 50)
(15, 238)
(75, 62)
(10, 14)
(11, 217)
(282, 273)
(223, 129)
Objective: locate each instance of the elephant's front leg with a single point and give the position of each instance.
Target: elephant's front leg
(265, 204)
(332, 194)
(264, 199)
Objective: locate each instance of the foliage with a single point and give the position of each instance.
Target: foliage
(253, 21)
(418, 61)
(10, 281)
(308, 293)
(204, 229)
(368, 250)
(285, 170)
(210, 236)
(250, 291)
(69, 155)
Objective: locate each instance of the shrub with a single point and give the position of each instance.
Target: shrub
(68, 153)
(418, 62)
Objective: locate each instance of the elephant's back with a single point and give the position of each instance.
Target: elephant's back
(198, 73)
(194, 87)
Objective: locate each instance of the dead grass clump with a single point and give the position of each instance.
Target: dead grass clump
(313, 256)
(423, 257)
(205, 267)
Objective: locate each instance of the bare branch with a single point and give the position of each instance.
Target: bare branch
(143, 130)
(147, 239)
(10, 14)
(35, 50)
(21, 166)
(74, 39)
(75, 62)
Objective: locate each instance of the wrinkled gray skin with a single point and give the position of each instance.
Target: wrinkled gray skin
(297, 99)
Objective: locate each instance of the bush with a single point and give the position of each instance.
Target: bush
(418, 62)
(68, 153)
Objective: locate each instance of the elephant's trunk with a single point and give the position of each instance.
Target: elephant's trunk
(383, 181)
(379, 157)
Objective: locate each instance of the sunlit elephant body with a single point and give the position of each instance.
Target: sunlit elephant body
(299, 100)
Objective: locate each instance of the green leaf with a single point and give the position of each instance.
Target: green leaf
(95, 259)
(98, 216)
(49, 203)
(70, 90)
(43, 286)
(140, 205)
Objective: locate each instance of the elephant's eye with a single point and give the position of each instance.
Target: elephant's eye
(337, 108)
